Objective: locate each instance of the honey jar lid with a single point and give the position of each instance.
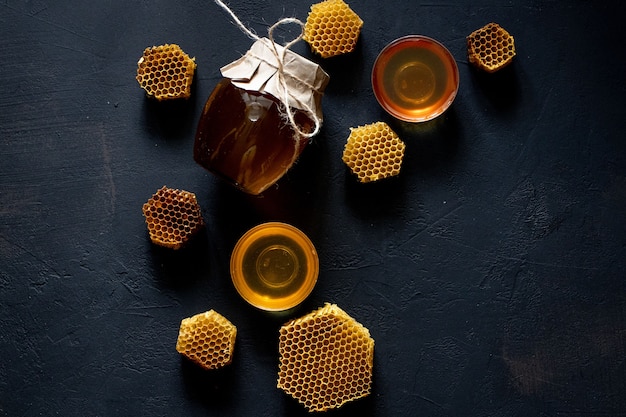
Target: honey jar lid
(274, 266)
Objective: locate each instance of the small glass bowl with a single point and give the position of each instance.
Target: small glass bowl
(274, 266)
(415, 78)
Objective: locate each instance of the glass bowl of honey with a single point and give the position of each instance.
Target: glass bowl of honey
(274, 266)
(415, 78)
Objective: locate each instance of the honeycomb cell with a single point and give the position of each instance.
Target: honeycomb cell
(173, 217)
(166, 72)
(373, 152)
(207, 339)
(332, 28)
(490, 48)
(326, 359)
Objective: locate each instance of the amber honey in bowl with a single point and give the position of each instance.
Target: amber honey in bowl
(415, 78)
(274, 266)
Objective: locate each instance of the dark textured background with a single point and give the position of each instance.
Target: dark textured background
(490, 272)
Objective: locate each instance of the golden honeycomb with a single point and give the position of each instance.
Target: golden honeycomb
(332, 28)
(326, 359)
(373, 152)
(173, 217)
(490, 47)
(207, 339)
(166, 72)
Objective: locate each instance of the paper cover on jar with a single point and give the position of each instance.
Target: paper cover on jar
(258, 70)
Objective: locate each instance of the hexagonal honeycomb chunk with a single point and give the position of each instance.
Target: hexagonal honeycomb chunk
(326, 359)
(173, 217)
(207, 339)
(166, 72)
(332, 28)
(373, 152)
(490, 47)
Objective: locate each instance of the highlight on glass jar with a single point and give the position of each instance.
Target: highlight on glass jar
(415, 78)
(274, 266)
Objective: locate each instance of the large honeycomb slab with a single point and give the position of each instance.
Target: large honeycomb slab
(166, 72)
(373, 152)
(173, 217)
(326, 359)
(332, 28)
(207, 339)
(490, 48)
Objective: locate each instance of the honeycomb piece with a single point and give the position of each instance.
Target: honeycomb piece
(326, 359)
(166, 72)
(173, 217)
(332, 28)
(490, 47)
(207, 339)
(373, 152)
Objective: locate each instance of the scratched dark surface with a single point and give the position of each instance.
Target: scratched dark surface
(490, 272)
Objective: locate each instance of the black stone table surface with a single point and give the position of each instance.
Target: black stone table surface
(490, 272)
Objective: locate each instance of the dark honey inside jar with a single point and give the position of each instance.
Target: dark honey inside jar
(243, 136)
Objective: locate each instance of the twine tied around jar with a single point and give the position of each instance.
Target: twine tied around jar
(285, 95)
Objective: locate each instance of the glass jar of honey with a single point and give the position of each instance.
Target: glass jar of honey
(244, 134)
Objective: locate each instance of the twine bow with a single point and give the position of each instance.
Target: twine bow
(280, 58)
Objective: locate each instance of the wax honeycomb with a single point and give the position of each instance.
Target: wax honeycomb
(332, 28)
(166, 72)
(373, 152)
(207, 339)
(490, 47)
(173, 217)
(326, 359)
